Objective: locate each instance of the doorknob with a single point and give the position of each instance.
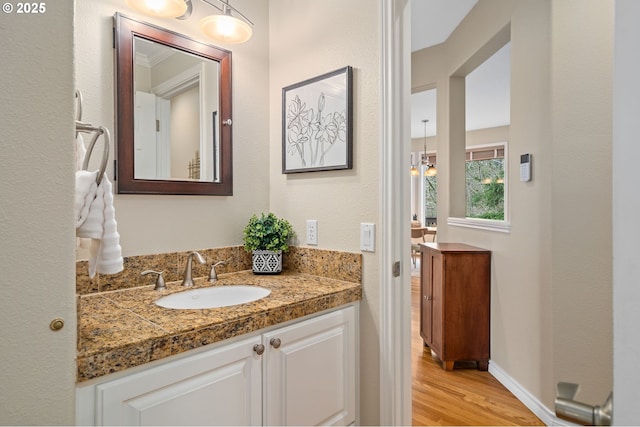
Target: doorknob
(581, 413)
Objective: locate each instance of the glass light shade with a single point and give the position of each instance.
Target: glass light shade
(159, 8)
(226, 28)
(431, 171)
(414, 171)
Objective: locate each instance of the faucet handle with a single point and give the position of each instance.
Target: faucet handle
(160, 285)
(213, 275)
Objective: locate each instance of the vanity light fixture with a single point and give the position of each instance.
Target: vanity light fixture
(223, 27)
(159, 8)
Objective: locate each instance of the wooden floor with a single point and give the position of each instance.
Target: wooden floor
(464, 396)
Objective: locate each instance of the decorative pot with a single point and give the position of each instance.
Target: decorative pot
(267, 262)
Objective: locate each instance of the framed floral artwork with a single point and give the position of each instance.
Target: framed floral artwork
(317, 128)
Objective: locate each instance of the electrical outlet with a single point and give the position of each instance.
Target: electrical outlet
(312, 232)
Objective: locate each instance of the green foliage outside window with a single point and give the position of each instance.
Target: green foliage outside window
(430, 193)
(485, 189)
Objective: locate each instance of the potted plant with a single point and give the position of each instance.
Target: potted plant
(266, 237)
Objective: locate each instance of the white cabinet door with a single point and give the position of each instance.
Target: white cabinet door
(309, 375)
(217, 387)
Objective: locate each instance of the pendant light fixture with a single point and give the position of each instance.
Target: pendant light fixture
(430, 167)
(223, 27)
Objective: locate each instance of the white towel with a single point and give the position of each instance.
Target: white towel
(105, 255)
(86, 190)
(81, 152)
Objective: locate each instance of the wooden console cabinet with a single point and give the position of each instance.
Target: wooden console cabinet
(455, 302)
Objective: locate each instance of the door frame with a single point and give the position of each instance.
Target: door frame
(626, 201)
(395, 289)
(395, 373)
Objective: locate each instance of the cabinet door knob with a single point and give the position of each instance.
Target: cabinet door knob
(259, 349)
(275, 342)
(428, 298)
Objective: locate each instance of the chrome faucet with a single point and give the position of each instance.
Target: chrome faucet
(188, 281)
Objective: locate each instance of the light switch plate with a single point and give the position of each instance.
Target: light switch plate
(367, 237)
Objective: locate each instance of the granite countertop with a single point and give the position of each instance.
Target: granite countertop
(122, 329)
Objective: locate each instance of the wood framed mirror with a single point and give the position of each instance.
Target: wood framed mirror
(173, 111)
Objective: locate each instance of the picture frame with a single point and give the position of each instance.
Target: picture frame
(317, 123)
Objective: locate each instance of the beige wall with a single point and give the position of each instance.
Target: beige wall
(309, 38)
(551, 281)
(155, 224)
(474, 137)
(36, 230)
(581, 196)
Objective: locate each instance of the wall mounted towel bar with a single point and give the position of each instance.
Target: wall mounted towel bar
(96, 131)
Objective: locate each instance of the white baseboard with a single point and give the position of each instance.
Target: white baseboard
(545, 414)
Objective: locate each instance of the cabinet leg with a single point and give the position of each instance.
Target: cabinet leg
(448, 365)
(483, 365)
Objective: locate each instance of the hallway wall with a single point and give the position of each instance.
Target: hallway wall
(551, 280)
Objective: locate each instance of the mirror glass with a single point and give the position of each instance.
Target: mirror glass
(176, 104)
(174, 94)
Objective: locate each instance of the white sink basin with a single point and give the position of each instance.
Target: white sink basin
(217, 296)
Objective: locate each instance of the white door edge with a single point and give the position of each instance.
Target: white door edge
(395, 292)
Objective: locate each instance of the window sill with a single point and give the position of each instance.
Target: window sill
(480, 224)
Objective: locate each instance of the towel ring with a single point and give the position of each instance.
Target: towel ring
(97, 131)
(78, 108)
(79, 105)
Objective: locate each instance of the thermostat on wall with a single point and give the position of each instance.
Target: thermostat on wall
(525, 167)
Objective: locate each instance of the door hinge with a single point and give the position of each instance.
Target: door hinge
(395, 270)
(157, 125)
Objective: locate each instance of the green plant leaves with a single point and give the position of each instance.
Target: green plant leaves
(267, 232)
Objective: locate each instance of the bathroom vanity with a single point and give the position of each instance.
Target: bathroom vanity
(289, 358)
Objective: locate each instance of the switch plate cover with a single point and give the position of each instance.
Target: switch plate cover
(367, 237)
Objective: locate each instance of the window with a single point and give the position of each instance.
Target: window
(484, 189)
(430, 197)
(484, 179)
